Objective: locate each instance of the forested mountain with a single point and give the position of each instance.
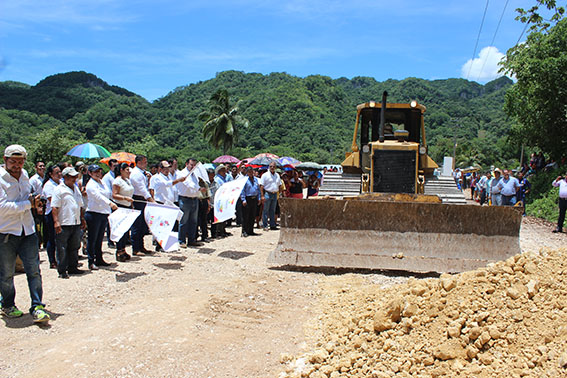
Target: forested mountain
(309, 118)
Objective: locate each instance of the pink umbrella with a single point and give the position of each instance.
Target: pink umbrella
(268, 155)
(226, 159)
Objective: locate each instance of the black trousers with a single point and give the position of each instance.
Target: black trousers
(249, 214)
(202, 218)
(562, 210)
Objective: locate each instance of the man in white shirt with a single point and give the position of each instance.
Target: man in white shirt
(107, 180)
(17, 236)
(37, 179)
(141, 195)
(508, 186)
(68, 218)
(269, 186)
(161, 187)
(189, 204)
(109, 177)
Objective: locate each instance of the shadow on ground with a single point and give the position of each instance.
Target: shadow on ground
(234, 255)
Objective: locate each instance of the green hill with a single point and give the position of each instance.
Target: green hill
(310, 118)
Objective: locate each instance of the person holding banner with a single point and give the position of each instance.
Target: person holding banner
(250, 196)
(161, 186)
(189, 204)
(98, 208)
(122, 191)
(221, 178)
(141, 196)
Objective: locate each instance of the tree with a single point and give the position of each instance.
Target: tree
(221, 121)
(538, 101)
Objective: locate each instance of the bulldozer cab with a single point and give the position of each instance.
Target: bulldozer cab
(401, 121)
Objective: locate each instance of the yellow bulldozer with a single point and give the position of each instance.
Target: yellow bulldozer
(389, 211)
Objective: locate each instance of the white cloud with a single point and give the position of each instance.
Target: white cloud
(485, 67)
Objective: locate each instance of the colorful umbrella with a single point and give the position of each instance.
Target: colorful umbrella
(226, 159)
(266, 154)
(89, 151)
(286, 160)
(122, 157)
(262, 161)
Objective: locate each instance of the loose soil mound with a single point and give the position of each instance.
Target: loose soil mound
(506, 320)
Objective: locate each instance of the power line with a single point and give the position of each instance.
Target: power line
(478, 38)
(523, 31)
(492, 42)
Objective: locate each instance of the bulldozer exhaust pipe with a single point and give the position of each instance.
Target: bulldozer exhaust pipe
(382, 117)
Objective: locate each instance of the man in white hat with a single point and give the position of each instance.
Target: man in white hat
(68, 218)
(18, 236)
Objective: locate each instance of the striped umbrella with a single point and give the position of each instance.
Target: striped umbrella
(89, 151)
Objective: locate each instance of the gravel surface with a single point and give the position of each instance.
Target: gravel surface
(214, 311)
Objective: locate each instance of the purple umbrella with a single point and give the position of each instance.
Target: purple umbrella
(226, 159)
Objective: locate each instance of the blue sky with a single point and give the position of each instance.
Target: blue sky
(151, 47)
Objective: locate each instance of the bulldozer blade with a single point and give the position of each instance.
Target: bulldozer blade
(409, 236)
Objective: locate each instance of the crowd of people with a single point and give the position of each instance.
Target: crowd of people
(502, 188)
(64, 208)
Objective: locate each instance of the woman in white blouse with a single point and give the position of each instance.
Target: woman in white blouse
(99, 207)
(122, 191)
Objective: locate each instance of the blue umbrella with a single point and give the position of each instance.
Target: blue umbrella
(89, 151)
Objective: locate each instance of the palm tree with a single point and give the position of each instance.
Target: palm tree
(221, 121)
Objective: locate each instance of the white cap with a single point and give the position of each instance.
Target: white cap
(70, 171)
(15, 150)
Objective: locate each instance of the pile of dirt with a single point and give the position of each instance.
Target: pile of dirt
(507, 320)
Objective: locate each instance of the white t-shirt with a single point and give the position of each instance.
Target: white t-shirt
(271, 182)
(126, 190)
(69, 202)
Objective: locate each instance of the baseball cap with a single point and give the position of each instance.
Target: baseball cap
(70, 171)
(15, 150)
(94, 167)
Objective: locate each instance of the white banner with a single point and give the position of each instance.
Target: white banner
(201, 171)
(160, 220)
(120, 222)
(226, 198)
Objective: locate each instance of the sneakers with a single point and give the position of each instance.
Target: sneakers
(39, 315)
(12, 312)
(182, 245)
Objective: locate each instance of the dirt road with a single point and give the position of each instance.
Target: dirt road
(216, 311)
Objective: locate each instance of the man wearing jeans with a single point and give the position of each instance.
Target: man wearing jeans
(189, 203)
(508, 186)
(17, 236)
(270, 185)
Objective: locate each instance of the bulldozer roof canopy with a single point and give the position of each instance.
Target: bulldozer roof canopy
(378, 105)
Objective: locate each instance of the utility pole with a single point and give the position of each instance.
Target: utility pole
(455, 142)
